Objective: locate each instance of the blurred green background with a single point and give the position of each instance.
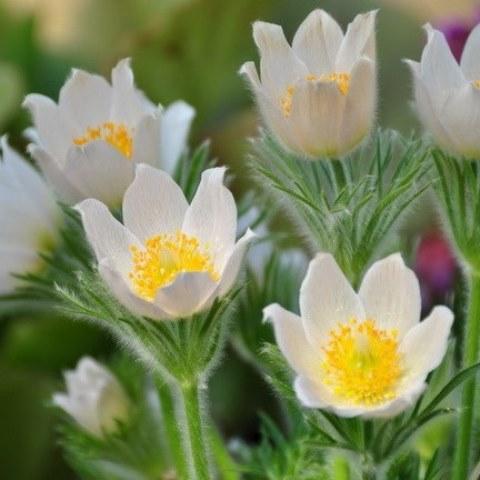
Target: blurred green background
(188, 49)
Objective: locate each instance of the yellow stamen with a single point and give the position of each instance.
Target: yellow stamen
(166, 256)
(117, 135)
(362, 363)
(341, 79)
(476, 84)
(287, 101)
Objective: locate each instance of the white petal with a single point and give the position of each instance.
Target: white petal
(54, 129)
(82, 414)
(359, 41)
(429, 105)
(425, 345)
(316, 115)
(249, 71)
(187, 294)
(15, 260)
(31, 134)
(55, 176)
(129, 104)
(279, 66)
(153, 204)
(327, 299)
(390, 293)
(281, 126)
(146, 140)
(470, 62)
(107, 236)
(291, 339)
(99, 171)
(113, 405)
(440, 70)
(174, 129)
(234, 263)
(212, 216)
(359, 113)
(31, 186)
(62, 400)
(20, 221)
(85, 100)
(122, 292)
(312, 394)
(461, 118)
(317, 41)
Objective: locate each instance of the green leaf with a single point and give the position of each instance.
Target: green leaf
(455, 382)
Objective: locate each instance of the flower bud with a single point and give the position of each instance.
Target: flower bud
(94, 397)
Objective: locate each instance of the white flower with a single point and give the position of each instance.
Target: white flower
(94, 398)
(319, 95)
(170, 259)
(88, 144)
(361, 354)
(29, 216)
(447, 95)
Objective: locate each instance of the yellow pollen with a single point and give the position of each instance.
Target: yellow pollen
(287, 101)
(117, 135)
(341, 79)
(476, 84)
(362, 364)
(164, 257)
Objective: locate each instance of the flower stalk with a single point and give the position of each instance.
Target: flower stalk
(471, 345)
(194, 434)
(172, 427)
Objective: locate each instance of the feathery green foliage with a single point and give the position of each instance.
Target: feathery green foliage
(353, 207)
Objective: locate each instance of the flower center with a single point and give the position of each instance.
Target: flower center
(166, 256)
(341, 79)
(117, 135)
(476, 84)
(362, 364)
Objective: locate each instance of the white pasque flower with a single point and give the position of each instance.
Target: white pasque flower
(169, 259)
(29, 216)
(319, 95)
(94, 397)
(360, 354)
(88, 145)
(447, 95)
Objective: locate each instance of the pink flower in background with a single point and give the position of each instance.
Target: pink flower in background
(436, 268)
(457, 30)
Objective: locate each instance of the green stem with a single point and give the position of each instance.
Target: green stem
(194, 434)
(227, 468)
(173, 431)
(471, 344)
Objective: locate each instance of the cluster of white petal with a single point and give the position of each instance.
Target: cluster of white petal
(319, 95)
(93, 167)
(28, 214)
(447, 95)
(170, 259)
(155, 205)
(94, 398)
(390, 295)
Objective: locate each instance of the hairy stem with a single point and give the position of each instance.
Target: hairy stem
(173, 430)
(472, 337)
(194, 432)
